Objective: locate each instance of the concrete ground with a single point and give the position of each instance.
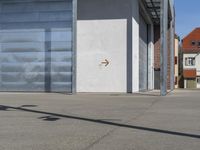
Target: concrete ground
(100, 122)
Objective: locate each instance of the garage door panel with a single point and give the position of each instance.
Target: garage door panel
(36, 17)
(191, 83)
(35, 35)
(16, 86)
(35, 25)
(22, 35)
(61, 46)
(61, 56)
(61, 67)
(30, 77)
(60, 76)
(11, 57)
(38, 6)
(61, 34)
(62, 87)
(22, 67)
(36, 45)
(22, 47)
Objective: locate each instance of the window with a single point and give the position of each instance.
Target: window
(199, 44)
(198, 80)
(176, 80)
(176, 60)
(193, 43)
(190, 61)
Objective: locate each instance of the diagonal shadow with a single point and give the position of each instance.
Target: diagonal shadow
(106, 122)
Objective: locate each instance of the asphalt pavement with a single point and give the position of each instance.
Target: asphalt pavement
(49, 121)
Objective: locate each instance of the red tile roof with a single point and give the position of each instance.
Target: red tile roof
(187, 46)
(189, 73)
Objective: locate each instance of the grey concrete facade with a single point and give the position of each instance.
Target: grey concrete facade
(78, 46)
(108, 30)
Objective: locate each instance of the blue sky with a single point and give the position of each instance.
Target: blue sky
(187, 16)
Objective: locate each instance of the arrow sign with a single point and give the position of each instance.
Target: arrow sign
(106, 62)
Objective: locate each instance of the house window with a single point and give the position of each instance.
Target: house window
(199, 44)
(176, 60)
(193, 43)
(176, 80)
(198, 80)
(190, 61)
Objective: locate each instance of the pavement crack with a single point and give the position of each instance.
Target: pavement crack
(101, 138)
(116, 128)
(144, 112)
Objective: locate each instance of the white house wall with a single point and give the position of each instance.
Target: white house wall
(197, 65)
(197, 62)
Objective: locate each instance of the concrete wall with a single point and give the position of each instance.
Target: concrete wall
(102, 34)
(135, 46)
(109, 29)
(151, 57)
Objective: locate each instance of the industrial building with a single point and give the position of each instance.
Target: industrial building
(85, 45)
(128, 34)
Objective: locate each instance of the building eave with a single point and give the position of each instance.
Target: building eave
(154, 9)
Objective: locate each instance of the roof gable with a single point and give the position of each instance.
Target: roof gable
(187, 45)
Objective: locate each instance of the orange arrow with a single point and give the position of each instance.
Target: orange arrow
(106, 62)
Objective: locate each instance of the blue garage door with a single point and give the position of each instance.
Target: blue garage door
(36, 45)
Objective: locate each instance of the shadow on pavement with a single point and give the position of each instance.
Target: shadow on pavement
(49, 118)
(55, 117)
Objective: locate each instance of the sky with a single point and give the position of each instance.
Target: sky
(187, 16)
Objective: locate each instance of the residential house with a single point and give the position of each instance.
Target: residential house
(191, 59)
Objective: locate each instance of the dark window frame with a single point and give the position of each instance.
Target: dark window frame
(198, 79)
(175, 60)
(190, 61)
(193, 43)
(176, 80)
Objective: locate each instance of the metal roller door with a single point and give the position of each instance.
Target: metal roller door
(36, 45)
(143, 55)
